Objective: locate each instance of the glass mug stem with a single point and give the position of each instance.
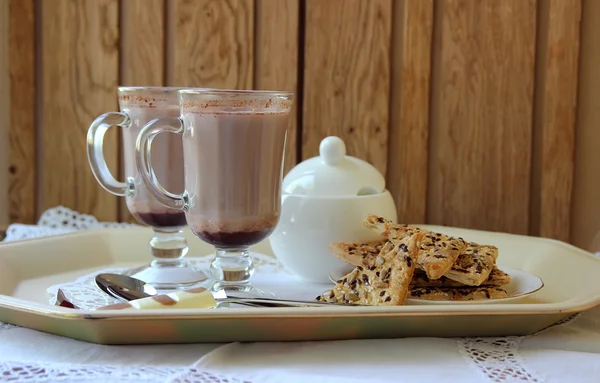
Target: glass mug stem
(168, 248)
(232, 268)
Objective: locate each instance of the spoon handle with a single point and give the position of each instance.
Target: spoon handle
(269, 302)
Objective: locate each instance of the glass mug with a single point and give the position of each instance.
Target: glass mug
(168, 245)
(233, 148)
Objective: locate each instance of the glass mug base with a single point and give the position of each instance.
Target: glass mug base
(240, 290)
(169, 270)
(169, 276)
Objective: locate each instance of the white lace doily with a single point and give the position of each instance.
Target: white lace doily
(496, 359)
(6, 326)
(58, 220)
(16, 371)
(84, 293)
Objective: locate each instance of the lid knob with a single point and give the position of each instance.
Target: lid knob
(332, 150)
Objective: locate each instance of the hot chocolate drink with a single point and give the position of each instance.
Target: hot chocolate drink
(167, 163)
(233, 148)
(167, 245)
(233, 168)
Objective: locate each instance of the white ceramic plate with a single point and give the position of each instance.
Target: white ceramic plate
(521, 285)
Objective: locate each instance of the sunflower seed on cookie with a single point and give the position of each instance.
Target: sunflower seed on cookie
(355, 253)
(385, 284)
(457, 293)
(497, 278)
(437, 252)
(474, 265)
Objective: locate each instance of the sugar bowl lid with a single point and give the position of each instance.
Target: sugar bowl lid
(333, 173)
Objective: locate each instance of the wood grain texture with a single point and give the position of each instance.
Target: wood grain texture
(80, 73)
(22, 132)
(142, 32)
(495, 127)
(211, 43)
(409, 108)
(555, 110)
(276, 58)
(142, 57)
(482, 95)
(347, 77)
(4, 115)
(585, 217)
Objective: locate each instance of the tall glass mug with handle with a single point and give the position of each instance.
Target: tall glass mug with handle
(233, 148)
(168, 246)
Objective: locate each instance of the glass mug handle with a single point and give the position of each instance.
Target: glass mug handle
(143, 151)
(95, 139)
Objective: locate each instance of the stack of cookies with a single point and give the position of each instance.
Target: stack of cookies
(409, 262)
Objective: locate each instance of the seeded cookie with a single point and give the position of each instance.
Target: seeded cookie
(364, 253)
(457, 293)
(355, 253)
(437, 252)
(384, 283)
(496, 278)
(474, 265)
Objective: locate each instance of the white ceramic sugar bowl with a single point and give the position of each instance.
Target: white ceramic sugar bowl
(324, 200)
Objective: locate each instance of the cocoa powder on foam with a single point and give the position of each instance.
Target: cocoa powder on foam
(145, 101)
(268, 105)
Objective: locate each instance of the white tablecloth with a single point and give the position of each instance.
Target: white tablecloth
(565, 353)
(568, 352)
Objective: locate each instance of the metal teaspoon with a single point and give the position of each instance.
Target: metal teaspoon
(129, 288)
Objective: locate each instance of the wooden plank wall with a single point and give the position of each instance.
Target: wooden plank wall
(25, 146)
(481, 114)
(481, 108)
(585, 206)
(4, 113)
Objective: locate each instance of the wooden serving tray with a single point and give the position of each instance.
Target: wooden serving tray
(29, 267)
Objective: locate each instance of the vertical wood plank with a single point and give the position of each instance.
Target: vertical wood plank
(4, 115)
(276, 57)
(412, 30)
(211, 43)
(80, 74)
(554, 124)
(347, 77)
(22, 132)
(142, 32)
(142, 56)
(481, 113)
(585, 218)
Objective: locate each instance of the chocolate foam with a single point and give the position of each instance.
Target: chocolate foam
(149, 97)
(258, 105)
(250, 224)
